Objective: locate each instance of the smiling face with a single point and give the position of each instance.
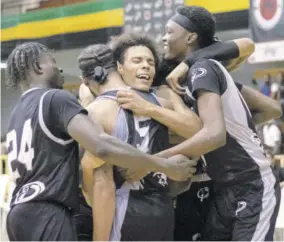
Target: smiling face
(138, 68)
(175, 41)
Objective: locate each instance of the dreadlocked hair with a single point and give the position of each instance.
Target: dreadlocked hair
(121, 43)
(93, 56)
(203, 20)
(20, 60)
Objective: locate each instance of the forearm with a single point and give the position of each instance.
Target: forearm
(261, 117)
(111, 149)
(183, 124)
(103, 207)
(124, 155)
(201, 143)
(220, 51)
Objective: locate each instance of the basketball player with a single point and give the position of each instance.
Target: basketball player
(43, 152)
(149, 194)
(246, 198)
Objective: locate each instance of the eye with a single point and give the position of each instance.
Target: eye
(151, 62)
(136, 60)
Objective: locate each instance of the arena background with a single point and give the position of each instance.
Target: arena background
(69, 25)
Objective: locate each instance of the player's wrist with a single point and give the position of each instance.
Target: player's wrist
(151, 110)
(161, 164)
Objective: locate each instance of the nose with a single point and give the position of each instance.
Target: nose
(60, 70)
(145, 65)
(164, 38)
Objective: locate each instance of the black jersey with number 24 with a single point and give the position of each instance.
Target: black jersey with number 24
(42, 156)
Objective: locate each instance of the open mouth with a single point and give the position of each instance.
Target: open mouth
(143, 77)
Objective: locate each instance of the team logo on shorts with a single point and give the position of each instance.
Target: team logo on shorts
(267, 13)
(29, 192)
(203, 193)
(162, 178)
(241, 206)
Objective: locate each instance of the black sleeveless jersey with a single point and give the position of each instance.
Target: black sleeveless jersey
(42, 156)
(147, 135)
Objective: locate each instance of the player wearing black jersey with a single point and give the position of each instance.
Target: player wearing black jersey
(246, 188)
(43, 152)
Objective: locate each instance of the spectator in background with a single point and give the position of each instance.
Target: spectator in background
(254, 83)
(3, 154)
(265, 88)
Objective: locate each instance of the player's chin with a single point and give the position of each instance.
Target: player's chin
(144, 87)
(169, 56)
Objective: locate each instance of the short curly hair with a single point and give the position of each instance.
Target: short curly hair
(119, 45)
(203, 20)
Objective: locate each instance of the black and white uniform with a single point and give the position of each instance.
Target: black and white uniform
(193, 206)
(246, 197)
(44, 163)
(144, 211)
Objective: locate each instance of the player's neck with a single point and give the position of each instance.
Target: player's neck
(114, 82)
(27, 86)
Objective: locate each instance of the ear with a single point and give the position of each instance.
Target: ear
(192, 38)
(37, 68)
(119, 68)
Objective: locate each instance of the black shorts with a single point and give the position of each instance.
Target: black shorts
(244, 212)
(40, 221)
(191, 211)
(143, 217)
(83, 220)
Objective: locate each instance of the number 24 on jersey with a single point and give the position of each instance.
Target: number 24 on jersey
(26, 152)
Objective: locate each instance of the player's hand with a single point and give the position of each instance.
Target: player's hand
(133, 175)
(129, 99)
(180, 168)
(176, 76)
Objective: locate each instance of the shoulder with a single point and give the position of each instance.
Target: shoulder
(102, 106)
(62, 96)
(105, 112)
(204, 67)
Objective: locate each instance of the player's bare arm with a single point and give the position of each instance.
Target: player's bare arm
(263, 108)
(213, 133)
(246, 47)
(206, 89)
(92, 137)
(234, 52)
(98, 180)
(182, 120)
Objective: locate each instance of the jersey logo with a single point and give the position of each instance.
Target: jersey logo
(197, 73)
(162, 178)
(203, 193)
(241, 206)
(29, 192)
